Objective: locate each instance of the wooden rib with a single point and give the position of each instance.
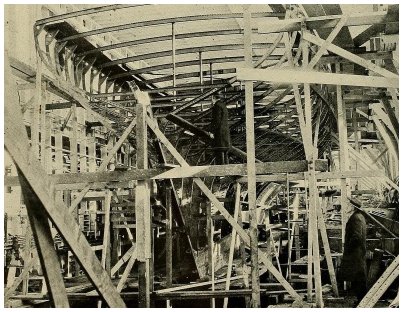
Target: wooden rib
(159, 54)
(178, 19)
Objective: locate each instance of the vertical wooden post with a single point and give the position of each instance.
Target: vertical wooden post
(314, 234)
(27, 258)
(37, 106)
(106, 251)
(109, 147)
(313, 192)
(356, 142)
(83, 152)
(168, 231)
(46, 142)
(210, 250)
(174, 60)
(326, 247)
(250, 146)
(143, 211)
(73, 140)
(343, 156)
(74, 162)
(43, 129)
(92, 164)
(290, 226)
(201, 72)
(310, 242)
(58, 151)
(106, 242)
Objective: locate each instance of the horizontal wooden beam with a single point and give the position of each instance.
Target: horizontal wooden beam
(320, 22)
(61, 105)
(177, 173)
(300, 76)
(177, 295)
(161, 90)
(319, 176)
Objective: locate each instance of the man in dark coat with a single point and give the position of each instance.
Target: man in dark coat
(221, 131)
(353, 265)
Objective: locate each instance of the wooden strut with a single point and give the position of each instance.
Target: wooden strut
(54, 208)
(234, 236)
(381, 285)
(241, 232)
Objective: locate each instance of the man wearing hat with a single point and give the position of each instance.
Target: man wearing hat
(353, 264)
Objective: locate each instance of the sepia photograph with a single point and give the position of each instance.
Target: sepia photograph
(216, 155)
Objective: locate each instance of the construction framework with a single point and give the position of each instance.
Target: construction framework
(89, 87)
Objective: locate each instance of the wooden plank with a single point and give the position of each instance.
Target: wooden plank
(143, 211)
(36, 107)
(123, 260)
(179, 295)
(294, 231)
(381, 285)
(313, 211)
(297, 95)
(343, 156)
(210, 250)
(106, 251)
(242, 233)
(233, 240)
(73, 140)
(168, 238)
(43, 188)
(301, 76)
(194, 285)
(127, 271)
(326, 247)
(251, 164)
(26, 256)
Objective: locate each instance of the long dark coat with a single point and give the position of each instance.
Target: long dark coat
(353, 265)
